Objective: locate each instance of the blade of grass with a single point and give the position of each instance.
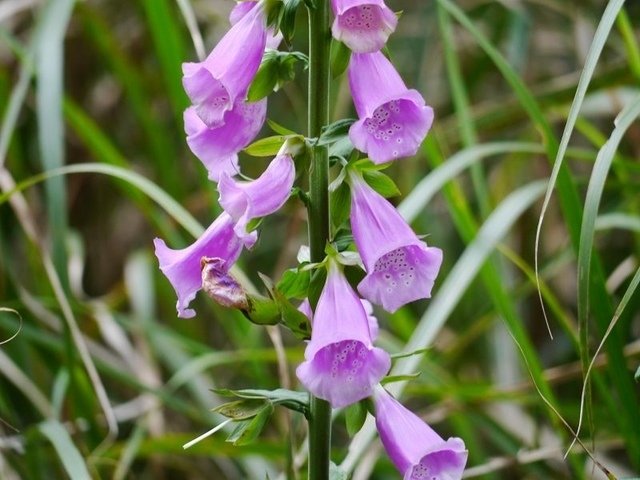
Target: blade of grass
(69, 455)
(49, 68)
(587, 234)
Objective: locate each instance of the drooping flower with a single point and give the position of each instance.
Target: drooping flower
(217, 147)
(183, 267)
(363, 25)
(341, 364)
(416, 450)
(400, 267)
(393, 120)
(244, 201)
(215, 84)
(241, 9)
(374, 328)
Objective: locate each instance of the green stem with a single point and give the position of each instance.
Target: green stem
(319, 77)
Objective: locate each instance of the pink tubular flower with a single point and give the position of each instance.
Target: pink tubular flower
(183, 267)
(416, 450)
(241, 9)
(393, 120)
(363, 25)
(217, 148)
(244, 201)
(215, 84)
(341, 364)
(400, 267)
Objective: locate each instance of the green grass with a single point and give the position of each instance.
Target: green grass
(528, 181)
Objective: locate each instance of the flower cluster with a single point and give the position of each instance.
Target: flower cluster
(341, 363)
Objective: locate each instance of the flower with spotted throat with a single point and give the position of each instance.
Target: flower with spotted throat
(416, 450)
(362, 25)
(393, 120)
(341, 364)
(400, 267)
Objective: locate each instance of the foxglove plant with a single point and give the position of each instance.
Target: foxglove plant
(341, 365)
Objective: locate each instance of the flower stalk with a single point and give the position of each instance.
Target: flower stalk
(318, 207)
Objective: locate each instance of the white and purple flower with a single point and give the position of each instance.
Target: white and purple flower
(393, 120)
(416, 450)
(362, 25)
(183, 268)
(400, 267)
(341, 364)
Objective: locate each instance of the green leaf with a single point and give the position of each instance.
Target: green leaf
(241, 409)
(295, 283)
(265, 81)
(381, 183)
(291, 399)
(287, 19)
(276, 69)
(340, 200)
(335, 131)
(247, 431)
(292, 318)
(277, 128)
(266, 147)
(354, 417)
(637, 375)
(340, 56)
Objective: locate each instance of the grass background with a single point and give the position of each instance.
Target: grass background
(103, 381)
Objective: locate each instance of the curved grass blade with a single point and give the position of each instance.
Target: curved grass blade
(49, 68)
(600, 37)
(592, 203)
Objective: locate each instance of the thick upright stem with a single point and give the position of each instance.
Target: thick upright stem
(319, 77)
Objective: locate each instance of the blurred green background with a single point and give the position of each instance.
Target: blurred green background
(103, 380)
